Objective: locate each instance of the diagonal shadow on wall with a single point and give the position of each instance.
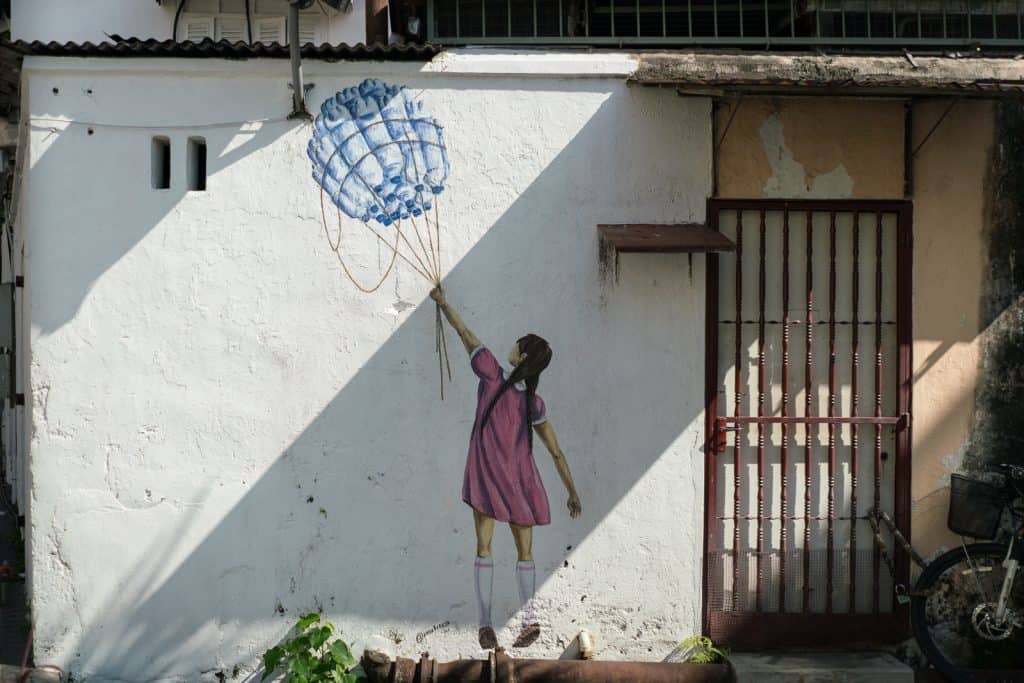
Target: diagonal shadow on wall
(364, 521)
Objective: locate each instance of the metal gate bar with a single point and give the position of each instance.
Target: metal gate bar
(738, 394)
(855, 398)
(784, 452)
(733, 622)
(760, 410)
(809, 368)
(878, 396)
(829, 594)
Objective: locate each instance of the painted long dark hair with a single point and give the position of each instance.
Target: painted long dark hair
(538, 355)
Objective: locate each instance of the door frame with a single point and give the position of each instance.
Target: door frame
(801, 629)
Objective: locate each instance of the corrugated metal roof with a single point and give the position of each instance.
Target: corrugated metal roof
(12, 52)
(208, 48)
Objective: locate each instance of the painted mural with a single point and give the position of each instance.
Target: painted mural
(379, 158)
(501, 482)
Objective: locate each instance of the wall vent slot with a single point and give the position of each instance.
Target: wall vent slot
(197, 164)
(161, 162)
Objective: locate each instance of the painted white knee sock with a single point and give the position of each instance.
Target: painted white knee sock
(526, 577)
(483, 573)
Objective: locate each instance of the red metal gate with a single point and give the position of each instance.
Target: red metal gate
(796, 421)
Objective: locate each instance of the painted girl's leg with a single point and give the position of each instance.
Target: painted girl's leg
(526, 578)
(483, 575)
(526, 581)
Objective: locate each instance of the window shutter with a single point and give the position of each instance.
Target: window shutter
(196, 27)
(231, 27)
(268, 30)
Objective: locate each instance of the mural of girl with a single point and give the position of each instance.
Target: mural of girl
(501, 481)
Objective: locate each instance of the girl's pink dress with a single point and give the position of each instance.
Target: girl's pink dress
(501, 478)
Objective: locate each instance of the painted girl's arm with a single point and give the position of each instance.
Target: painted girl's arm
(547, 434)
(469, 340)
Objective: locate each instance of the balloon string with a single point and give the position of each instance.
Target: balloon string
(398, 230)
(428, 255)
(444, 348)
(353, 170)
(341, 261)
(440, 334)
(424, 270)
(426, 218)
(444, 333)
(430, 272)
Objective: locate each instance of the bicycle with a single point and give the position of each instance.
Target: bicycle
(966, 607)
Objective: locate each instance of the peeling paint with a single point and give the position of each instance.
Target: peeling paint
(822, 148)
(790, 178)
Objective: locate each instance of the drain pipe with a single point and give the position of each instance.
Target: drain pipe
(501, 668)
(299, 110)
(377, 22)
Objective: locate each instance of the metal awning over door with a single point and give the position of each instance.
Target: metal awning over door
(808, 392)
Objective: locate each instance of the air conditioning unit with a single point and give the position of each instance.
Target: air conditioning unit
(309, 33)
(231, 27)
(197, 27)
(268, 30)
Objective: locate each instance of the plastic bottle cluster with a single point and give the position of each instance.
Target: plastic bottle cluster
(377, 153)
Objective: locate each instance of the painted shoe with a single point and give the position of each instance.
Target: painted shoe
(488, 639)
(528, 636)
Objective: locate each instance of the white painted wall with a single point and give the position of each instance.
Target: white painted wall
(96, 20)
(224, 428)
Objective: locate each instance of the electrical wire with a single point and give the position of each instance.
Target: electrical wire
(101, 124)
(177, 15)
(248, 20)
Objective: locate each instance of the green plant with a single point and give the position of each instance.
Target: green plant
(700, 650)
(310, 656)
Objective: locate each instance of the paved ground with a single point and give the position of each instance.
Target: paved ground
(13, 630)
(820, 667)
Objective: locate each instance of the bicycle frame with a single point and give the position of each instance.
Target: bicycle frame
(1014, 552)
(1014, 557)
(1011, 563)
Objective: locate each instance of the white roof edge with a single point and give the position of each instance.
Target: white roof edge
(460, 61)
(492, 61)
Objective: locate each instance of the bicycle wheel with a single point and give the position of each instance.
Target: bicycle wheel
(952, 609)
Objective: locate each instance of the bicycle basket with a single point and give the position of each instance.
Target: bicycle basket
(975, 508)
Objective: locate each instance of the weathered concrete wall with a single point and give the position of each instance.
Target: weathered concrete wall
(996, 435)
(838, 149)
(227, 433)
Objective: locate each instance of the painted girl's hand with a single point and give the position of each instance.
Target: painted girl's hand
(437, 294)
(575, 508)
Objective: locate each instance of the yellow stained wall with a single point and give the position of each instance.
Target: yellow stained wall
(831, 148)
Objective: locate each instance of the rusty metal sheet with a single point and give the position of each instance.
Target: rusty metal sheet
(667, 238)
